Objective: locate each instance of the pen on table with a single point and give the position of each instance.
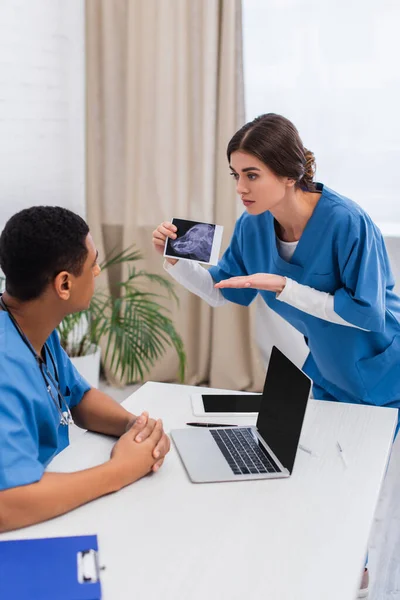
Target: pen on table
(210, 425)
(341, 454)
(305, 449)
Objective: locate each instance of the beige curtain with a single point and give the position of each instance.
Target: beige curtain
(164, 96)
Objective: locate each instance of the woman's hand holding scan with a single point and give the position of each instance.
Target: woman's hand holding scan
(160, 234)
(258, 281)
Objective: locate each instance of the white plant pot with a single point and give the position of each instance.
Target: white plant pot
(89, 366)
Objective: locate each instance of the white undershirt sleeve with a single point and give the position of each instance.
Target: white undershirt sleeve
(312, 301)
(197, 280)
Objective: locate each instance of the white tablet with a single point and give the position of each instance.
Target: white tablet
(226, 405)
(196, 241)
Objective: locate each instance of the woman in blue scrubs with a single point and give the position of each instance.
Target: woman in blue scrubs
(316, 258)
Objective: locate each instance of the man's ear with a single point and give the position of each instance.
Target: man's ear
(63, 284)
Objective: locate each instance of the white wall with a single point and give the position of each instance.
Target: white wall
(331, 67)
(42, 106)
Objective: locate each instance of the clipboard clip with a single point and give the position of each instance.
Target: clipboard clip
(88, 566)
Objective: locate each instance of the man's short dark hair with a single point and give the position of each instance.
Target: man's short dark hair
(38, 243)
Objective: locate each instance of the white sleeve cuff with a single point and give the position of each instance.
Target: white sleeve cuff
(197, 280)
(311, 301)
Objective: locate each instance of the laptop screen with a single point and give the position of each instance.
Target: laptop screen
(284, 402)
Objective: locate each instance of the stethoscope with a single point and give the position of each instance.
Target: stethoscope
(65, 415)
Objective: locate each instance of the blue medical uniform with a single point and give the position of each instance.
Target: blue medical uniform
(30, 430)
(343, 253)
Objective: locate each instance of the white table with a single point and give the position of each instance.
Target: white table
(302, 538)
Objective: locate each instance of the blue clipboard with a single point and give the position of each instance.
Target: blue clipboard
(64, 568)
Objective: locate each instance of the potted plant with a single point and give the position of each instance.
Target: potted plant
(131, 323)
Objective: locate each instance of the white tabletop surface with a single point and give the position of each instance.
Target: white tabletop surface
(302, 538)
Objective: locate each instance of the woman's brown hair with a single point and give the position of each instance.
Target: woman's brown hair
(275, 141)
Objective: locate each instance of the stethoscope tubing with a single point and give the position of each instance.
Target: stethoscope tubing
(65, 419)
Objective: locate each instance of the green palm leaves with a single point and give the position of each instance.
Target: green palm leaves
(134, 328)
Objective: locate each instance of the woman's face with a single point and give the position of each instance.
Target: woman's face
(259, 188)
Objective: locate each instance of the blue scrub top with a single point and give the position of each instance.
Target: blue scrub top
(343, 253)
(30, 430)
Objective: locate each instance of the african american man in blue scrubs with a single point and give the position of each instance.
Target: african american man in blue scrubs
(50, 262)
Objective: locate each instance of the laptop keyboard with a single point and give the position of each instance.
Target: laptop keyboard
(243, 453)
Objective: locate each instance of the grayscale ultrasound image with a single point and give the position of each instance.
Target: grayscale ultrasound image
(194, 240)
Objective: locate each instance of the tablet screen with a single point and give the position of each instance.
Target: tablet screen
(219, 403)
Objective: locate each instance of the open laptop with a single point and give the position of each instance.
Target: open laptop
(265, 451)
